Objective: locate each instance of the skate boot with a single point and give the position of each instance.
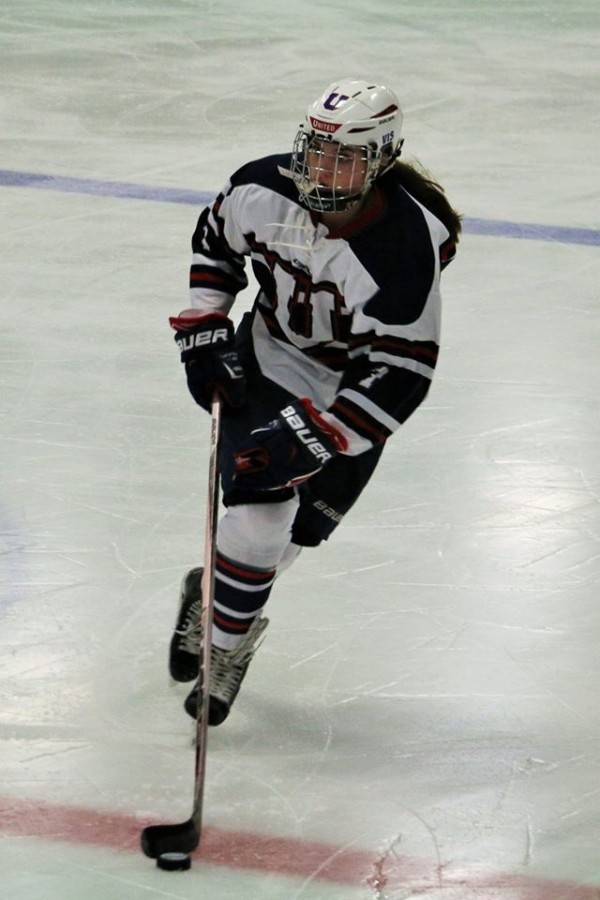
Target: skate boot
(227, 671)
(185, 643)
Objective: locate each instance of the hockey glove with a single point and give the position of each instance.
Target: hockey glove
(291, 448)
(210, 359)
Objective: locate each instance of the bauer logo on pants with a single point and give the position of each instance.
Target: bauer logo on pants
(304, 434)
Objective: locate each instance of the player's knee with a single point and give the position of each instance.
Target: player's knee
(257, 534)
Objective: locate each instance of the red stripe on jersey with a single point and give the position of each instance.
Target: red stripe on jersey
(215, 277)
(411, 349)
(447, 252)
(363, 427)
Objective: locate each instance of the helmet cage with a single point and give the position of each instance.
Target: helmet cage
(332, 180)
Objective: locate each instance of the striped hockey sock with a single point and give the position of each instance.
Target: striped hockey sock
(241, 591)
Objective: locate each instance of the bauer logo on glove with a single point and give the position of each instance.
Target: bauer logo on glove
(190, 341)
(212, 364)
(289, 450)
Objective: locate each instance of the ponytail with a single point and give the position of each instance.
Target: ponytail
(418, 183)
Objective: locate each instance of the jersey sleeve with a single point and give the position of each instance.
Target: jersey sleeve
(217, 272)
(373, 401)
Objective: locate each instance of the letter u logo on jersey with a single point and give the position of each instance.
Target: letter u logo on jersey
(335, 100)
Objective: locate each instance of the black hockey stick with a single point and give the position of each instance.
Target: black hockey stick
(185, 836)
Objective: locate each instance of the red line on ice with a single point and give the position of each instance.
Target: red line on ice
(292, 857)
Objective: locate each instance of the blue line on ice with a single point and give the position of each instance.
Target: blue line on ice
(125, 190)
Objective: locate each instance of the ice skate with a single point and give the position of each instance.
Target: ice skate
(227, 671)
(185, 643)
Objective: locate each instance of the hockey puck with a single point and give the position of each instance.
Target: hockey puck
(174, 862)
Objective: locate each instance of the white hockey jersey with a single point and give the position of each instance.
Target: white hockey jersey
(350, 319)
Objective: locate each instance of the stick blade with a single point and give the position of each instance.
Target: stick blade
(159, 839)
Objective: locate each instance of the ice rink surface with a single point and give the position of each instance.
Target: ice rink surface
(423, 720)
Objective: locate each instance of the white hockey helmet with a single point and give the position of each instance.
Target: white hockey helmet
(350, 113)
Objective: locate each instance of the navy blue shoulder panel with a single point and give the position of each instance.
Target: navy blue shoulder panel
(266, 172)
(397, 252)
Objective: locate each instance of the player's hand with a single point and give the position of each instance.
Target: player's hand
(287, 451)
(212, 364)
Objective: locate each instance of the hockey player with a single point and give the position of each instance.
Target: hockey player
(347, 244)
